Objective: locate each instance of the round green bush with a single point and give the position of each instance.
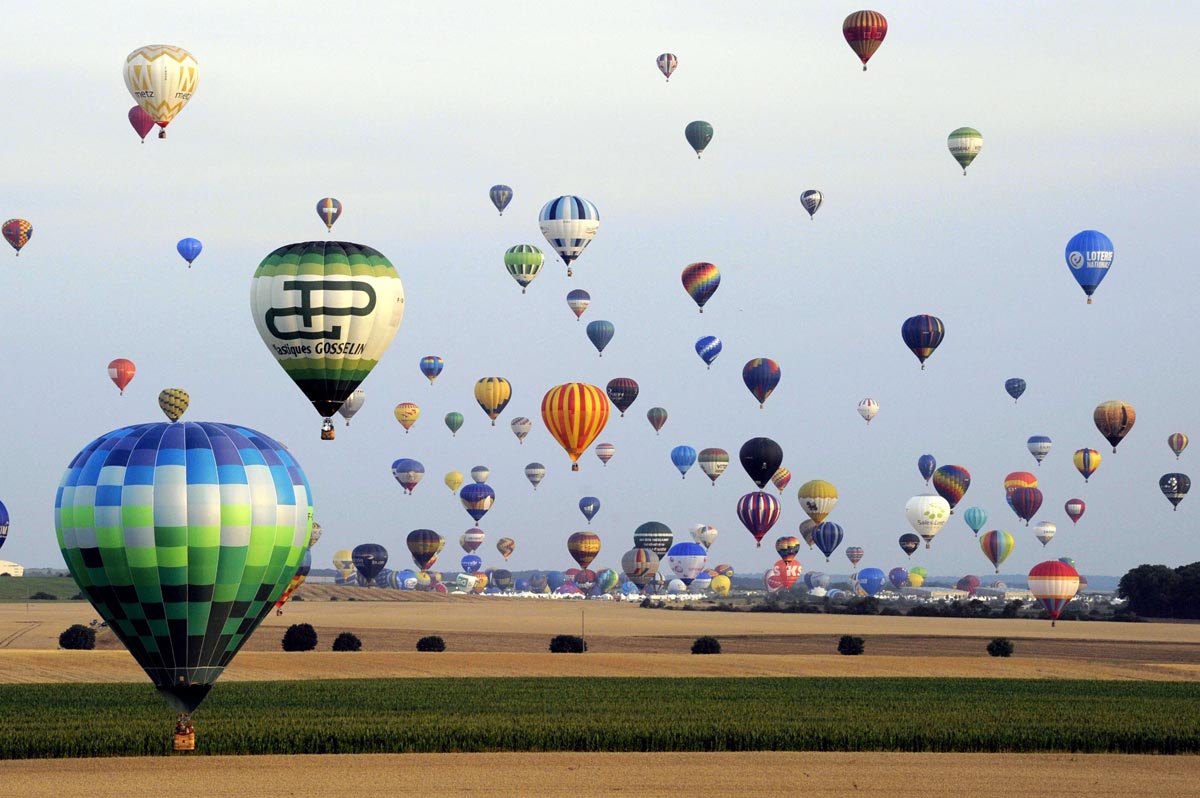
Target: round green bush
(347, 641)
(850, 646)
(706, 645)
(77, 637)
(431, 643)
(300, 637)
(1000, 647)
(567, 644)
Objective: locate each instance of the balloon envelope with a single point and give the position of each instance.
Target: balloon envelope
(1114, 420)
(922, 334)
(1089, 256)
(500, 195)
(761, 376)
(760, 458)
(189, 249)
(708, 348)
(622, 391)
(698, 134)
(575, 413)
(870, 580)
(701, 281)
(864, 32)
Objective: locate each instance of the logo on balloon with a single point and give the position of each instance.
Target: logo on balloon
(308, 313)
(1075, 259)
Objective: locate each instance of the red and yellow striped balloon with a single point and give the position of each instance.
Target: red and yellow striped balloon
(575, 413)
(864, 32)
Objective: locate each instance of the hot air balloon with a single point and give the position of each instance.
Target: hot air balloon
(704, 534)
(453, 421)
(922, 334)
(720, 585)
(760, 458)
(523, 262)
(1075, 509)
(506, 546)
(1114, 420)
(1086, 462)
(926, 464)
(431, 366)
(4, 523)
(189, 249)
(141, 121)
(578, 301)
(713, 462)
(1015, 387)
(1018, 479)
(817, 499)
(951, 483)
(811, 201)
(162, 79)
(855, 554)
(520, 427)
(927, 513)
(326, 355)
(686, 560)
(761, 375)
(708, 348)
(1044, 531)
(480, 473)
(583, 547)
(1089, 256)
(969, 584)
(909, 543)
(492, 394)
(915, 579)
(1174, 487)
(453, 480)
(1176, 440)
(666, 65)
(589, 506)
(758, 512)
(315, 536)
(683, 458)
(996, 545)
(408, 473)
(174, 502)
(657, 416)
(407, 414)
(654, 535)
(470, 563)
(297, 580)
(640, 565)
(781, 478)
(605, 452)
(173, 402)
(782, 575)
(1026, 502)
(352, 405)
(787, 547)
(870, 580)
(698, 134)
(569, 223)
(975, 517)
(1054, 584)
(806, 528)
(575, 413)
(17, 233)
(369, 559)
(1039, 447)
(827, 536)
(898, 577)
(864, 32)
(535, 473)
(701, 281)
(622, 391)
(867, 408)
(600, 332)
(500, 195)
(343, 563)
(471, 540)
(477, 499)
(328, 210)
(424, 546)
(121, 372)
(965, 143)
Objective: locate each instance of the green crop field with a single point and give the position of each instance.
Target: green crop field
(17, 589)
(612, 714)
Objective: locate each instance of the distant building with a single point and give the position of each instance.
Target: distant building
(11, 568)
(933, 593)
(1005, 593)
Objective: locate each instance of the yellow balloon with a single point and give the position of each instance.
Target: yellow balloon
(493, 394)
(162, 79)
(818, 498)
(407, 414)
(453, 480)
(720, 585)
(173, 402)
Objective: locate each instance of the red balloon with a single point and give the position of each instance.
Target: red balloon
(142, 122)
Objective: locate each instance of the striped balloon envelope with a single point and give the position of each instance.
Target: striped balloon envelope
(521, 427)
(605, 452)
(713, 462)
(506, 546)
(583, 548)
(329, 209)
(922, 335)
(781, 479)
(975, 517)
(640, 565)
(708, 348)
(569, 223)
(622, 391)
(827, 536)
(477, 498)
(500, 195)
(1086, 462)
(654, 535)
(173, 402)
(424, 545)
(1026, 502)
(811, 201)
(951, 483)
(1178, 442)
(1074, 509)
(787, 547)
(1039, 446)
(761, 376)
(758, 512)
(996, 546)
(864, 32)
(492, 394)
(523, 262)
(701, 281)
(667, 62)
(855, 554)
(431, 366)
(1054, 584)
(575, 413)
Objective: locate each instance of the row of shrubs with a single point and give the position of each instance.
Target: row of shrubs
(303, 637)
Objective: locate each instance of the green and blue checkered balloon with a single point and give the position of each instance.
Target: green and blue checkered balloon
(183, 536)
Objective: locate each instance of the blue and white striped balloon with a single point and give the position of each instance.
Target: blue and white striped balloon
(569, 224)
(708, 348)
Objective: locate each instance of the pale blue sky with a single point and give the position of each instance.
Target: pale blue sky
(408, 114)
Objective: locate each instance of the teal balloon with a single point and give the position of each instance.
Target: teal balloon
(183, 536)
(975, 517)
(600, 332)
(698, 134)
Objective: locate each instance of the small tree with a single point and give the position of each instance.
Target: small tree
(706, 645)
(300, 637)
(567, 644)
(77, 637)
(850, 646)
(42, 595)
(1000, 647)
(431, 643)
(347, 641)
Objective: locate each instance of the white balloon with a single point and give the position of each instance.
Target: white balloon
(927, 513)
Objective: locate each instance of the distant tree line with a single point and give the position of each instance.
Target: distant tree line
(1157, 591)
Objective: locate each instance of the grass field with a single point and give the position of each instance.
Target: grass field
(613, 715)
(21, 588)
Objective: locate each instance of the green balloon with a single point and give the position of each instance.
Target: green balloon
(699, 134)
(454, 421)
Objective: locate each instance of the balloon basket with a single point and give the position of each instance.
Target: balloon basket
(327, 431)
(185, 735)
